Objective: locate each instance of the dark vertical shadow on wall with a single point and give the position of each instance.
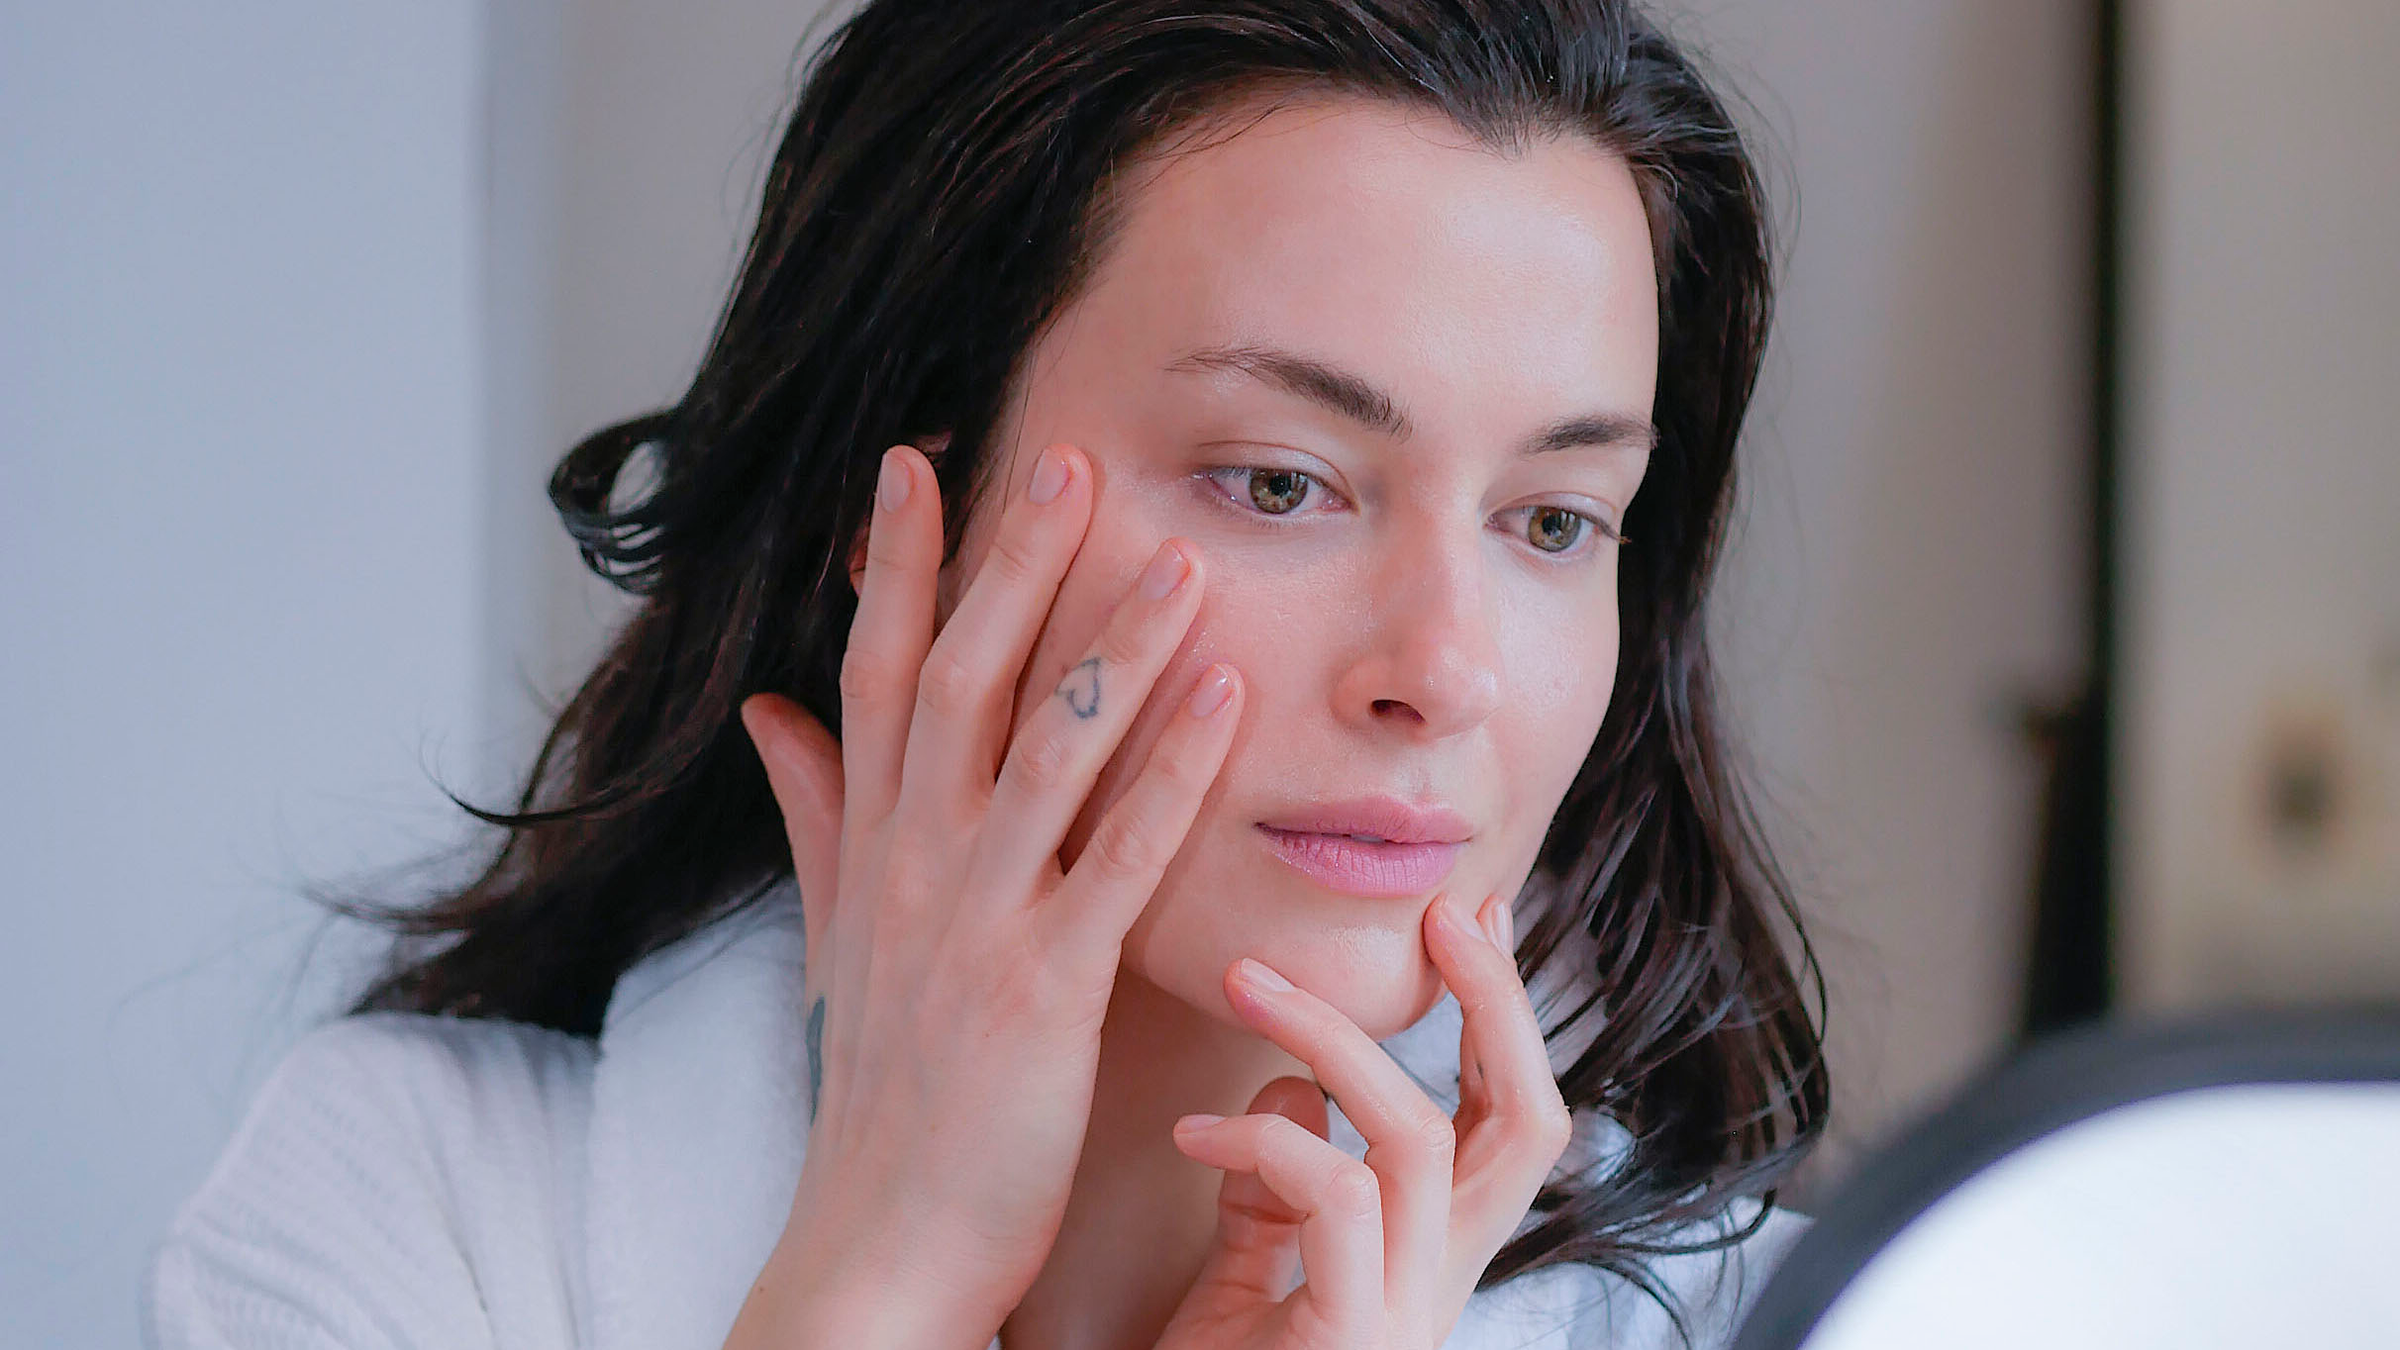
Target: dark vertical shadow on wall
(2069, 975)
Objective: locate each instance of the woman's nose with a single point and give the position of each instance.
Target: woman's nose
(1429, 661)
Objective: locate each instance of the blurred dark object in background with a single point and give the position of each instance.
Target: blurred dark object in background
(2221, 807)
(2224, 1181)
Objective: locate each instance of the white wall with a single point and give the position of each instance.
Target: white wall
(2262, 509)
(634, 137)
(241, 535)
(300, 306)
(1909, 567)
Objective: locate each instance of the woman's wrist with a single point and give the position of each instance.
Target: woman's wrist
(821, 1295)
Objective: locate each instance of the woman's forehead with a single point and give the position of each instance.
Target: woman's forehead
(1385, 239)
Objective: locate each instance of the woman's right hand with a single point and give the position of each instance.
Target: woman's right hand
(957, 976)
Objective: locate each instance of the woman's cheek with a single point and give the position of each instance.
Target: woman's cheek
(1554, 716)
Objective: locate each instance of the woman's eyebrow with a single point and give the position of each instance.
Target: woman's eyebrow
(1320, 382)
(1352, 396)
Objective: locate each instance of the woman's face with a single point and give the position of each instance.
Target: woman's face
(1395, 389)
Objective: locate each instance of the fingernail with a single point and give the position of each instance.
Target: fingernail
(1489, 917)
(1447, 914)
(1049, 478)
(891, 485)
(1213, 692)
(1257, 974)
(1165, 572)
(1193, 1124)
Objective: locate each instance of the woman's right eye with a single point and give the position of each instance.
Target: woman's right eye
(1269, 491)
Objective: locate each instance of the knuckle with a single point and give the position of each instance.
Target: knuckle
(1126, 638)
(1041, 762)
(1016, 555)
(1552, 1126)
(906, 876)
(1546, 1127)
(1431, 1132)
(867, 677)
(1281, 1134)
(949, 685)
(1123, 848)
(1176, 765)
(1353, 1191)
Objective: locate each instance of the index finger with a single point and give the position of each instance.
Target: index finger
(888, 636)
(1512, 1123)
(1410, 1143)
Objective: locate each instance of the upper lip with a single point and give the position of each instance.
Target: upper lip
(1380, 817)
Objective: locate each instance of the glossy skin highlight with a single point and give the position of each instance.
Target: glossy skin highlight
(1400, 629)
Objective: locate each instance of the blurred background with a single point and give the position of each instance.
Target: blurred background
(2064, 610)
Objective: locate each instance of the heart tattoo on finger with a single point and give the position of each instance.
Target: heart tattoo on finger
(1081, 689)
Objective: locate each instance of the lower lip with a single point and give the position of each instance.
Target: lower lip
(1384, 871)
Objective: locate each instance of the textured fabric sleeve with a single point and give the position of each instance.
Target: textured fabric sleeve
(1713, 1290)
(400, 1182)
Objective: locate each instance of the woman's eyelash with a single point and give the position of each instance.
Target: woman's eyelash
(1270, 483)
(1265, 482)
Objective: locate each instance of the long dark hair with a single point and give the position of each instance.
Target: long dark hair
(943, 190)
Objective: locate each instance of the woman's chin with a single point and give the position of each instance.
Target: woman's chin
(1380, 979)
(1366, 958)
(1386, 1012)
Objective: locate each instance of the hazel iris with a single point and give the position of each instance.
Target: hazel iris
(1276, 491)
(1554, 529)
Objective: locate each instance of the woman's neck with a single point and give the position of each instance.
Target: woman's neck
(1141, 1217)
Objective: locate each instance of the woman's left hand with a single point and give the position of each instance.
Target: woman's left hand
(1392, 1246)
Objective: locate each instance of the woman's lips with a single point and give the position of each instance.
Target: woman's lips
(1383, 871)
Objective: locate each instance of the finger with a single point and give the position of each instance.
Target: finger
(931, 447)
(804, 771)
(889, 636)
(1340, 1224)
(970, 673)
(1258, 1234)
(1409, 1138)
(1060, 748)
(1085, 920)
(1513, 1124)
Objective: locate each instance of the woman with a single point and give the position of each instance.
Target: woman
(1191, 533)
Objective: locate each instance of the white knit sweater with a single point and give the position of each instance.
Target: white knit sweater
(443, 1184)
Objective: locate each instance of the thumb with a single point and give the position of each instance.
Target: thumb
(1258, 1234)
(804, 770)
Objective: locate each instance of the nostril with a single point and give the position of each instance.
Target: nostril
(1388, 705)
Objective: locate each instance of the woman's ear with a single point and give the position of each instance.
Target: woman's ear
(929, 446)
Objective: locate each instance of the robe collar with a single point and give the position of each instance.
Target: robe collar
(700, 1122)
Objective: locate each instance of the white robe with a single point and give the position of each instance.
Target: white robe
(413, 1181)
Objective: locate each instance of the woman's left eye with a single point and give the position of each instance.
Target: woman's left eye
(1557, 529)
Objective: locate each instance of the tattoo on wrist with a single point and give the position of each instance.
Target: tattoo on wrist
(816, 1055)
